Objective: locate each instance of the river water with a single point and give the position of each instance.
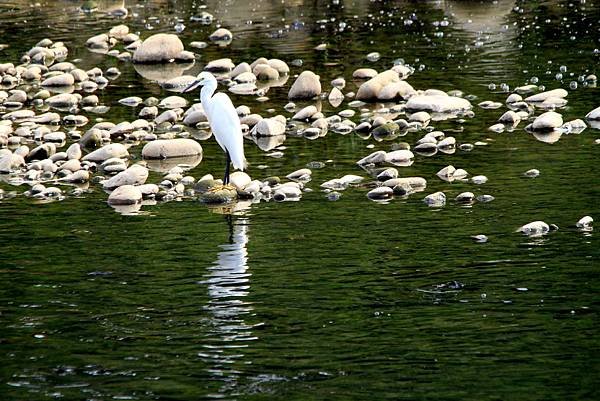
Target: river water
(320, 299)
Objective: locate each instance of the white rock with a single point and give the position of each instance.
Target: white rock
(134, 175)
(540, 97)
(436, 199)
(239, 180)
(594, 114)
(125, 195)
(547, 121)
(585, 222)
(438, 103)
(107, 152)
(306, 86)
(380, 193)
(167, 148)
(534, 228)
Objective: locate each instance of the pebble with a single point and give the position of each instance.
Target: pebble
(532, 173)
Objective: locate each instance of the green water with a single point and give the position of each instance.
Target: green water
(317, 299)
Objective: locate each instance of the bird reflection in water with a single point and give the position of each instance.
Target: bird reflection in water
(228, 283)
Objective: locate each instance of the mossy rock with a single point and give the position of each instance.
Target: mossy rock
(219, 194)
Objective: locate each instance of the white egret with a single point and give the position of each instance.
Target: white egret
(223, 120)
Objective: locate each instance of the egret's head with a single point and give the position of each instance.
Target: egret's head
(202, 79)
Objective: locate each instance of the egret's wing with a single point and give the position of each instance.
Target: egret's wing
(225, 124)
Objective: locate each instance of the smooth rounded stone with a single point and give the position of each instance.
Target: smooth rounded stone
(532, 173)
(64, 66)
(426, 148)
(301, 175)
(306, 113)
(480, 238)
(347, 113)
(41, 152)
(107, 152)
(479, 179)
(158, 48)
(56, 137)
(125, 195)
(364, 73)
(61, 100)
(239, 69)
(396, 90)
(438, 103)
(77, 120)
(547, 121)
(489, 105)
(421, 117)
(510, 118)
(540, 97)
(19, 115)
(251, 120)
(380, 193)
(219, 194)
(497, 128)
(576, 126)
(71, 164)
(436, 199)
(402, 189)
(220, 65)
(173, 102)
(369, 91)
(446, 173)
(195, 117)
(245, 78)
(553, 103)
(134, 175)
(119, 31)
(585, 222)
(279, 65)
(526, 89)
(113, 165)
(264, 72)
(51, 192)
(59, 80)
(447, 143)
(465, 197)
(131, 101)
(336, 97)
(148, 112)
(91, 100)
(167, 148)
(92, 138)
(594, 114)
(239, 180)
(387, 174)
(513, 98)
(386, 130)
(79, 176)
(374, 158)
(243, 89)
(399, 156)
(148, 190)
(242, 110)
(306, 86)
(16, 95)
(11, 162)
(269, 127)
(221, 35)
(535, 228)
(100, 41)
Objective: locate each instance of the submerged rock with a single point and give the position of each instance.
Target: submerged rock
(125, 195)
(534, 228)
(585, 222)
(438, 103)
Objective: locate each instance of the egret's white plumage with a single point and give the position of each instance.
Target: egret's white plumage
(223, 120)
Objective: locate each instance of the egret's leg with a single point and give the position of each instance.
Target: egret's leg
(226, 177)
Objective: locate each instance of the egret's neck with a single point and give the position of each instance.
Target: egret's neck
(207, 91)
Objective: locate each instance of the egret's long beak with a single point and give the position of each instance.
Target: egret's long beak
(193, 85)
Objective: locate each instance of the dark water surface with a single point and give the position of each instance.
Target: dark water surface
(316, 299)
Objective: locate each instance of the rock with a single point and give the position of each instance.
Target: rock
(41, 152)
(158, 48)
(11, 162)
(173, 102)
(436, 199)
(302, 175)
(510, 118)
(489, 105)
(380, 193)
(387, 174)
(374, 158)
(540, 97)
(369, 91)
(65, 100)
(279, 65)
(513, 98)
(479, 179)
(594, 114)
(240, 69)
(396, 90)
(585, 222)
(336, 97)
(167, 148)
(107, 152)
(306, 113)
(400, 157)
(265, 72)
(221, 35)
(532, 173)
(245, 78)
(134, 175)
(547, 121)
(125, 195)
(438, 103)
(239, 180)
(287, 192)
(306, 86)
(59, 80)
(220, 65)
(364, 73)
(534, 229)
(465, 197)
(269, 127)
(131, 101)
(79, 176)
